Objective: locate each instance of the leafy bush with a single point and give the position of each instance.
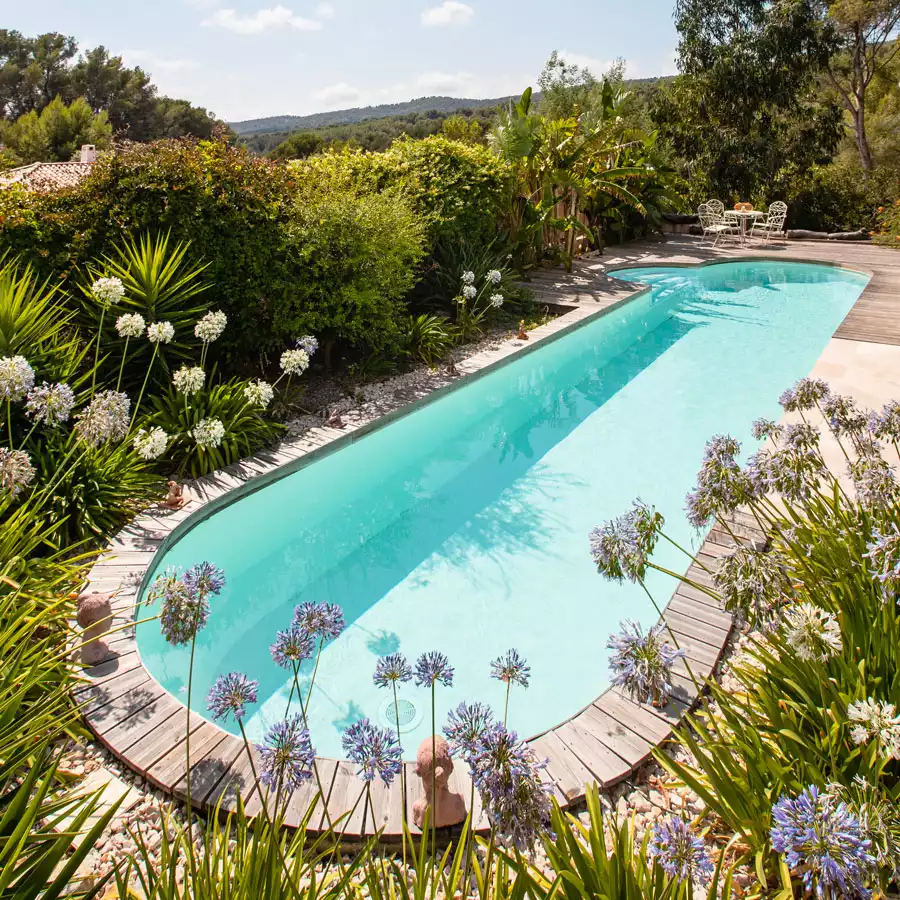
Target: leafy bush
(245, 427)
(889, 225)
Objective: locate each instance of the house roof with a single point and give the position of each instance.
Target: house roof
(49, 176)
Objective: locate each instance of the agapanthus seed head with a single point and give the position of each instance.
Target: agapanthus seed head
(105, 419)
(642, 663)
(823, 841)
(151, 443)
(391, 670)
(230, 694)
(511, 668)
(130, 325)
(509, 780)
(259, 393)
(108, 291)
(50, 404)
(211, 326)
(682, 854)
(321, 620)
(294, 362)
(433, 668)
(208, 433)
(811, 632)
(16, 471)
(287, 755)
(292, 646)
(160, 332)
(189, 380)
(375, 750)
(16, 378)
(464, 727)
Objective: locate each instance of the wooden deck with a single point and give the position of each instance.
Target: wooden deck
(144, 726)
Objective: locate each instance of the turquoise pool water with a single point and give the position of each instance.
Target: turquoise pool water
(463, 527)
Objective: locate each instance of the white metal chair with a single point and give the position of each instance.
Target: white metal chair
(715, 226)
(772, 224)
(717, 208)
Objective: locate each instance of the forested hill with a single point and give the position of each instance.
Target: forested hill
(359, 114)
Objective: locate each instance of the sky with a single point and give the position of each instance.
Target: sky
(245, 59)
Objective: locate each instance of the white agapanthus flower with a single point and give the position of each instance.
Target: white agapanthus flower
(16, 470)
(211, 326)
(495, 276)
(813, 633)
(468, 278)
(294, 362)
(208, 433)
(496, 300)
(130, 325)
(189, 380)
(876, 720)
(151, 444)
(104, 419)
(50, 404)
(259, 393)
(470, 292)
(16, 378)
(161, 332)
(108, 291)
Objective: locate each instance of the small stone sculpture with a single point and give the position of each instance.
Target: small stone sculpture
(94, 614)
(334, 420)
(452, 371)
(522, 335)
(175, 499)
(447, 808)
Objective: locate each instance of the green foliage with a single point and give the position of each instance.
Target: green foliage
(57, 132)
(427, 338)
(889, 225)
(298, 146)
(246, 428)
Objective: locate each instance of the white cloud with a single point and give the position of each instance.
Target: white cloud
(339, 93)
(450, 12)
(261, 20)
(153, 63)
(445, 82)
(324, 11)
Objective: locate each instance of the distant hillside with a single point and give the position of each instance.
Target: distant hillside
(359, 114)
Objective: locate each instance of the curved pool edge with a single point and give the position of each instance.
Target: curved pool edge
(143, 725)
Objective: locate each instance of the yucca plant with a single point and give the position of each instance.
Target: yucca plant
(162, 284)
(427, 338)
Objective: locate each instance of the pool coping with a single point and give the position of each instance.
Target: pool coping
(143, 725)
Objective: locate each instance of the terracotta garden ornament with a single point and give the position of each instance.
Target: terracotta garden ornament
(94, 614)
(446, 807)
(522, 335)
(175, 498)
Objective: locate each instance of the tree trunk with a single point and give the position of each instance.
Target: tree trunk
(862, 140)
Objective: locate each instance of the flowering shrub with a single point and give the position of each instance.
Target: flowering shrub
(888, 227)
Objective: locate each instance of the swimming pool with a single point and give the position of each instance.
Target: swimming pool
(463, 526)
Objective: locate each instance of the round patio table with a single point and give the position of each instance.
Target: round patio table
(744, 216)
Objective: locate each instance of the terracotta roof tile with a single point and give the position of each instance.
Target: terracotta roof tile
(46, 176)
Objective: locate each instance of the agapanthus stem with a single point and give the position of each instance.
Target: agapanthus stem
(97, 352)
(137, 405)
(25, 439)
(433, 772)
(403, 768)
(187, 742)
(313, 679)
(122, 364)
(9, 422)
(506, 704)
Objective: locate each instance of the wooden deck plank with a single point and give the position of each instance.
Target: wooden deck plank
(606, 766)
(564, 768)
(642, 720)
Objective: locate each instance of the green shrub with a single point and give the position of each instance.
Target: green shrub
(888, 232)
(427, 338)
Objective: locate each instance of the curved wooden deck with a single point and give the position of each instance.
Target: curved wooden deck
(144, 726)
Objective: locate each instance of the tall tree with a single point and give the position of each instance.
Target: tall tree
(745, 105)
(865, 32)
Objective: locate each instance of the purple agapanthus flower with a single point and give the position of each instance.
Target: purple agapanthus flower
(874, 480)
(765, 428)
(884, 552)
(621, 547)
(464, 727)
(792, 472)
(642, 663)
(433, 667)
(721, 485)
(322, 620)
(375, 750)
(805, 394)
(287, 754)
(185, 600)
(753, 582)
(392, 669)
(230, 694)
(886, 425)
(308, 343)
(291, 647)
(845, 418)
(511, 668)
(509, 780)
(824, 841)
(683, 855)
(801, 436)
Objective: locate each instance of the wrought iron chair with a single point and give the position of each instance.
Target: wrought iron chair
(772, 224)
(715, 226)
